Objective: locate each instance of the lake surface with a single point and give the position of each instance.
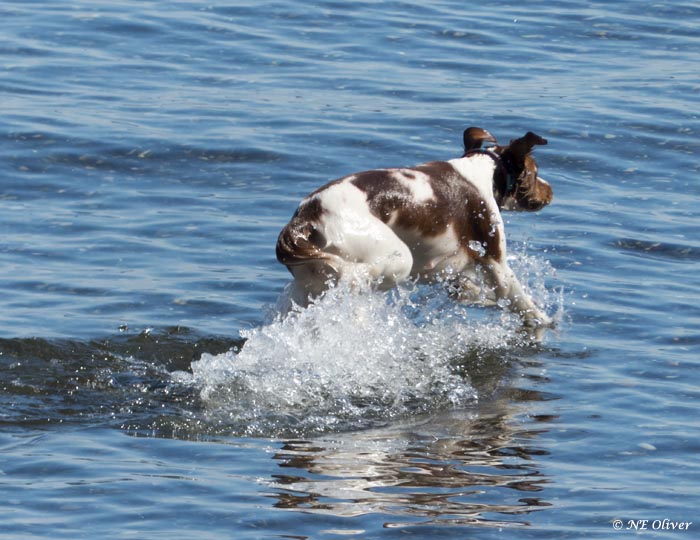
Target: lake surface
(150, 152)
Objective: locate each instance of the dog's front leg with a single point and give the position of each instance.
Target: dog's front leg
(507, 287)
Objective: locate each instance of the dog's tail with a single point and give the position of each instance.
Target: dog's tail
(300, 243)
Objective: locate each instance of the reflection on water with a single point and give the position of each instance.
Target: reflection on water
(418, 477)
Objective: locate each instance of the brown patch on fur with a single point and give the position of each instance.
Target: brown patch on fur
(455, 202)
(299, 242)
(385, 194)
(530, 193)
(459, 203)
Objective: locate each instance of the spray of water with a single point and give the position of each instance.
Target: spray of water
(355, 358)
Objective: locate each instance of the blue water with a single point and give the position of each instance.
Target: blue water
(150, 152)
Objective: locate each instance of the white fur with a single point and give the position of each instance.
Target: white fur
(418, 185)
(432, 255)
(478, 169)
(358, 237)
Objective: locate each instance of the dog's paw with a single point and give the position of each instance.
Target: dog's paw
(538, 319)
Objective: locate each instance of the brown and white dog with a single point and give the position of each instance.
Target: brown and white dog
(438, 218)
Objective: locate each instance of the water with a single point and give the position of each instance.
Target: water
(150, 154)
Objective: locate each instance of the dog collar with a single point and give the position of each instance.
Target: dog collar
(510, 177)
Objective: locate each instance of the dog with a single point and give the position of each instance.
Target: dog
(441, 218)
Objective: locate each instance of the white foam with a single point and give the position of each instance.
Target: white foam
(352, 359)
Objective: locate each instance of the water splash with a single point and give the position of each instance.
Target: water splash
(355, 359)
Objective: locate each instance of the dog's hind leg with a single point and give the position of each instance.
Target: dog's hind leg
(370, 255)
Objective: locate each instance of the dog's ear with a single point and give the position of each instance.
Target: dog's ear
(474, 137)
(519, 148)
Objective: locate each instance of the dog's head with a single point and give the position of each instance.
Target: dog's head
(522, 189)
